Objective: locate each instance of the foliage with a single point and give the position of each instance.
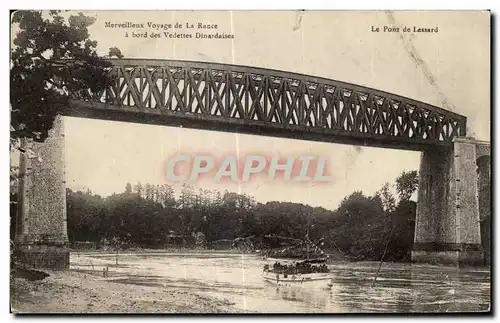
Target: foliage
(406, 184)
(388, 200)
(151, 216)
(50, 58)
(359, 227)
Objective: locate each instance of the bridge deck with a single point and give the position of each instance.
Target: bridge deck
(266, 102)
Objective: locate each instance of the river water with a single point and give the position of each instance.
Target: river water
(399, 287)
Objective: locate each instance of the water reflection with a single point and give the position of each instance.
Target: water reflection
(398, 287)
(302, 295)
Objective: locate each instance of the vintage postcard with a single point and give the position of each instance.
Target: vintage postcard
(250, 162)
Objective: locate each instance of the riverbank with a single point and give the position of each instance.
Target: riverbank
(158, 250)
(86, 292)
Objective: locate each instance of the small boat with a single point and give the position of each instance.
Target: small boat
(294, 273)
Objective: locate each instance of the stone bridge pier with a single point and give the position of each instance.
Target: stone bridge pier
(41, 228)
(452, 223)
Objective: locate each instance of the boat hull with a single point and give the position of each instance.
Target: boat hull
(298, 280)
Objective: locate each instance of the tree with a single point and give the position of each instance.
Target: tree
(138, 189)
(148, 191)
(128, 188)
(352, 205)
(378, 200)
(51, 58)
(406, 184)
(186, 198)
(388, 200)
(167, 196)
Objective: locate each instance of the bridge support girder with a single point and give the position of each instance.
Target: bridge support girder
(447, 228)
(41, 230)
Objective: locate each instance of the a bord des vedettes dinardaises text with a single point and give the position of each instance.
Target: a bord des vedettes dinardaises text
(170, 30)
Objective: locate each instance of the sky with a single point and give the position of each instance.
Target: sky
(449, 69)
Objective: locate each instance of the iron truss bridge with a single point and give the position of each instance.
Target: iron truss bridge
(267, 102)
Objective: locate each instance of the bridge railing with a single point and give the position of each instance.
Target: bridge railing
(269, 97)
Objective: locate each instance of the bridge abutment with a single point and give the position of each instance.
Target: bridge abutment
(41, 228)
(447, 228)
